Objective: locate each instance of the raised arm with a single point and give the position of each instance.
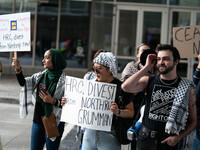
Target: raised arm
(138, 82)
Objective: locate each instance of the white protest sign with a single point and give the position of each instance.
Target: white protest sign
(187, 40)
(15, 32)
(88, 103)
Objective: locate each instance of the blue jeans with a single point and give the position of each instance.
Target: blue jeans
(39, 137)
(196, 145)
(100, 140)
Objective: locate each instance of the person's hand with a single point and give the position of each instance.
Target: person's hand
(15, 63)
(171, 140)
(63, 101)
(46, 97)
(114, 108)
(151, 61)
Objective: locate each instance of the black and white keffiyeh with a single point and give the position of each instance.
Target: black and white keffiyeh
(179, 111)
(107, 59)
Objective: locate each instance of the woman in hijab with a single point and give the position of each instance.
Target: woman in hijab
(105, 68)
(47, 88)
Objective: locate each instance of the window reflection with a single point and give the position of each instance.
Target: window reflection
(198, 19)
(74, 30)
(127, 33)
(185, 2)
(102, 27)
(152, 28)
(5, 8)
(46, 29)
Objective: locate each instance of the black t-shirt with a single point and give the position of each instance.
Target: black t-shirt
(126, 96)
(160, 96)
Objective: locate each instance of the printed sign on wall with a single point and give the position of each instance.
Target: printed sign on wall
(187, 40)
(15, 32)
(88, 103)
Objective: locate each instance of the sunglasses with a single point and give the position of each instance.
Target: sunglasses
(96, 70)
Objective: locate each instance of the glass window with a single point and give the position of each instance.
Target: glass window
(5, 8)
(181, 19)
(102, 27)
(145, 1)
(26, 6)
(74, 30)
(152, 28)
(185, 2)
(198, 19)
(127, 33)
(46, 29)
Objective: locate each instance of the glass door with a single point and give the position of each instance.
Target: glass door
(135, 25)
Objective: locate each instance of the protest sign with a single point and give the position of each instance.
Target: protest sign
(187, 40)
(15, 32)
(88, 103)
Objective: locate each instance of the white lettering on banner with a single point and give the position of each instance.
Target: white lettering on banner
(15, 32)
(161, 102)
(88, 103)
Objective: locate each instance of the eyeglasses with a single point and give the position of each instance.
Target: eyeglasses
(96, 70)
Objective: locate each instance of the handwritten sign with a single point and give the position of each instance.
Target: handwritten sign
(15, 32)
(187, 40)
(88, 103)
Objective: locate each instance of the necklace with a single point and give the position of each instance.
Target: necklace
(168, 83)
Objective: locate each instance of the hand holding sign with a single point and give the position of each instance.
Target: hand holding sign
(15, 63)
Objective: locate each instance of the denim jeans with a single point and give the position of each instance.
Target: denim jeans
(196, 145)
(39, 137)
(100, 140)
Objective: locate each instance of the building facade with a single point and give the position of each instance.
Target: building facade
(79, 28)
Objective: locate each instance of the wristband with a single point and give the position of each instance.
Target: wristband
(18, 70)
(119, 113)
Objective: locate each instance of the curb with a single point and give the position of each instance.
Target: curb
(9, 100)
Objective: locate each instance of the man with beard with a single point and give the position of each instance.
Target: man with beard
(170, 110)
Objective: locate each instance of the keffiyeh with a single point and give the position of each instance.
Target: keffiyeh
(179, 111)
(107, 59)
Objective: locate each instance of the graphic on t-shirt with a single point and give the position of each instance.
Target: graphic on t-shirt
(161, 102)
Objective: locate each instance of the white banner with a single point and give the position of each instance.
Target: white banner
(15, 32)
(88, 103)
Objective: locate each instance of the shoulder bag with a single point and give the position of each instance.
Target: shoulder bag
(50, 125)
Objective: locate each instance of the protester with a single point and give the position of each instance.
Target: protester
(105, 68)
(196, 78)
(130, 69)
(48, 88)
(170, 110)
(88, 76)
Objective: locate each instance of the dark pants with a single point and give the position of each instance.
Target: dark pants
(146, 142)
